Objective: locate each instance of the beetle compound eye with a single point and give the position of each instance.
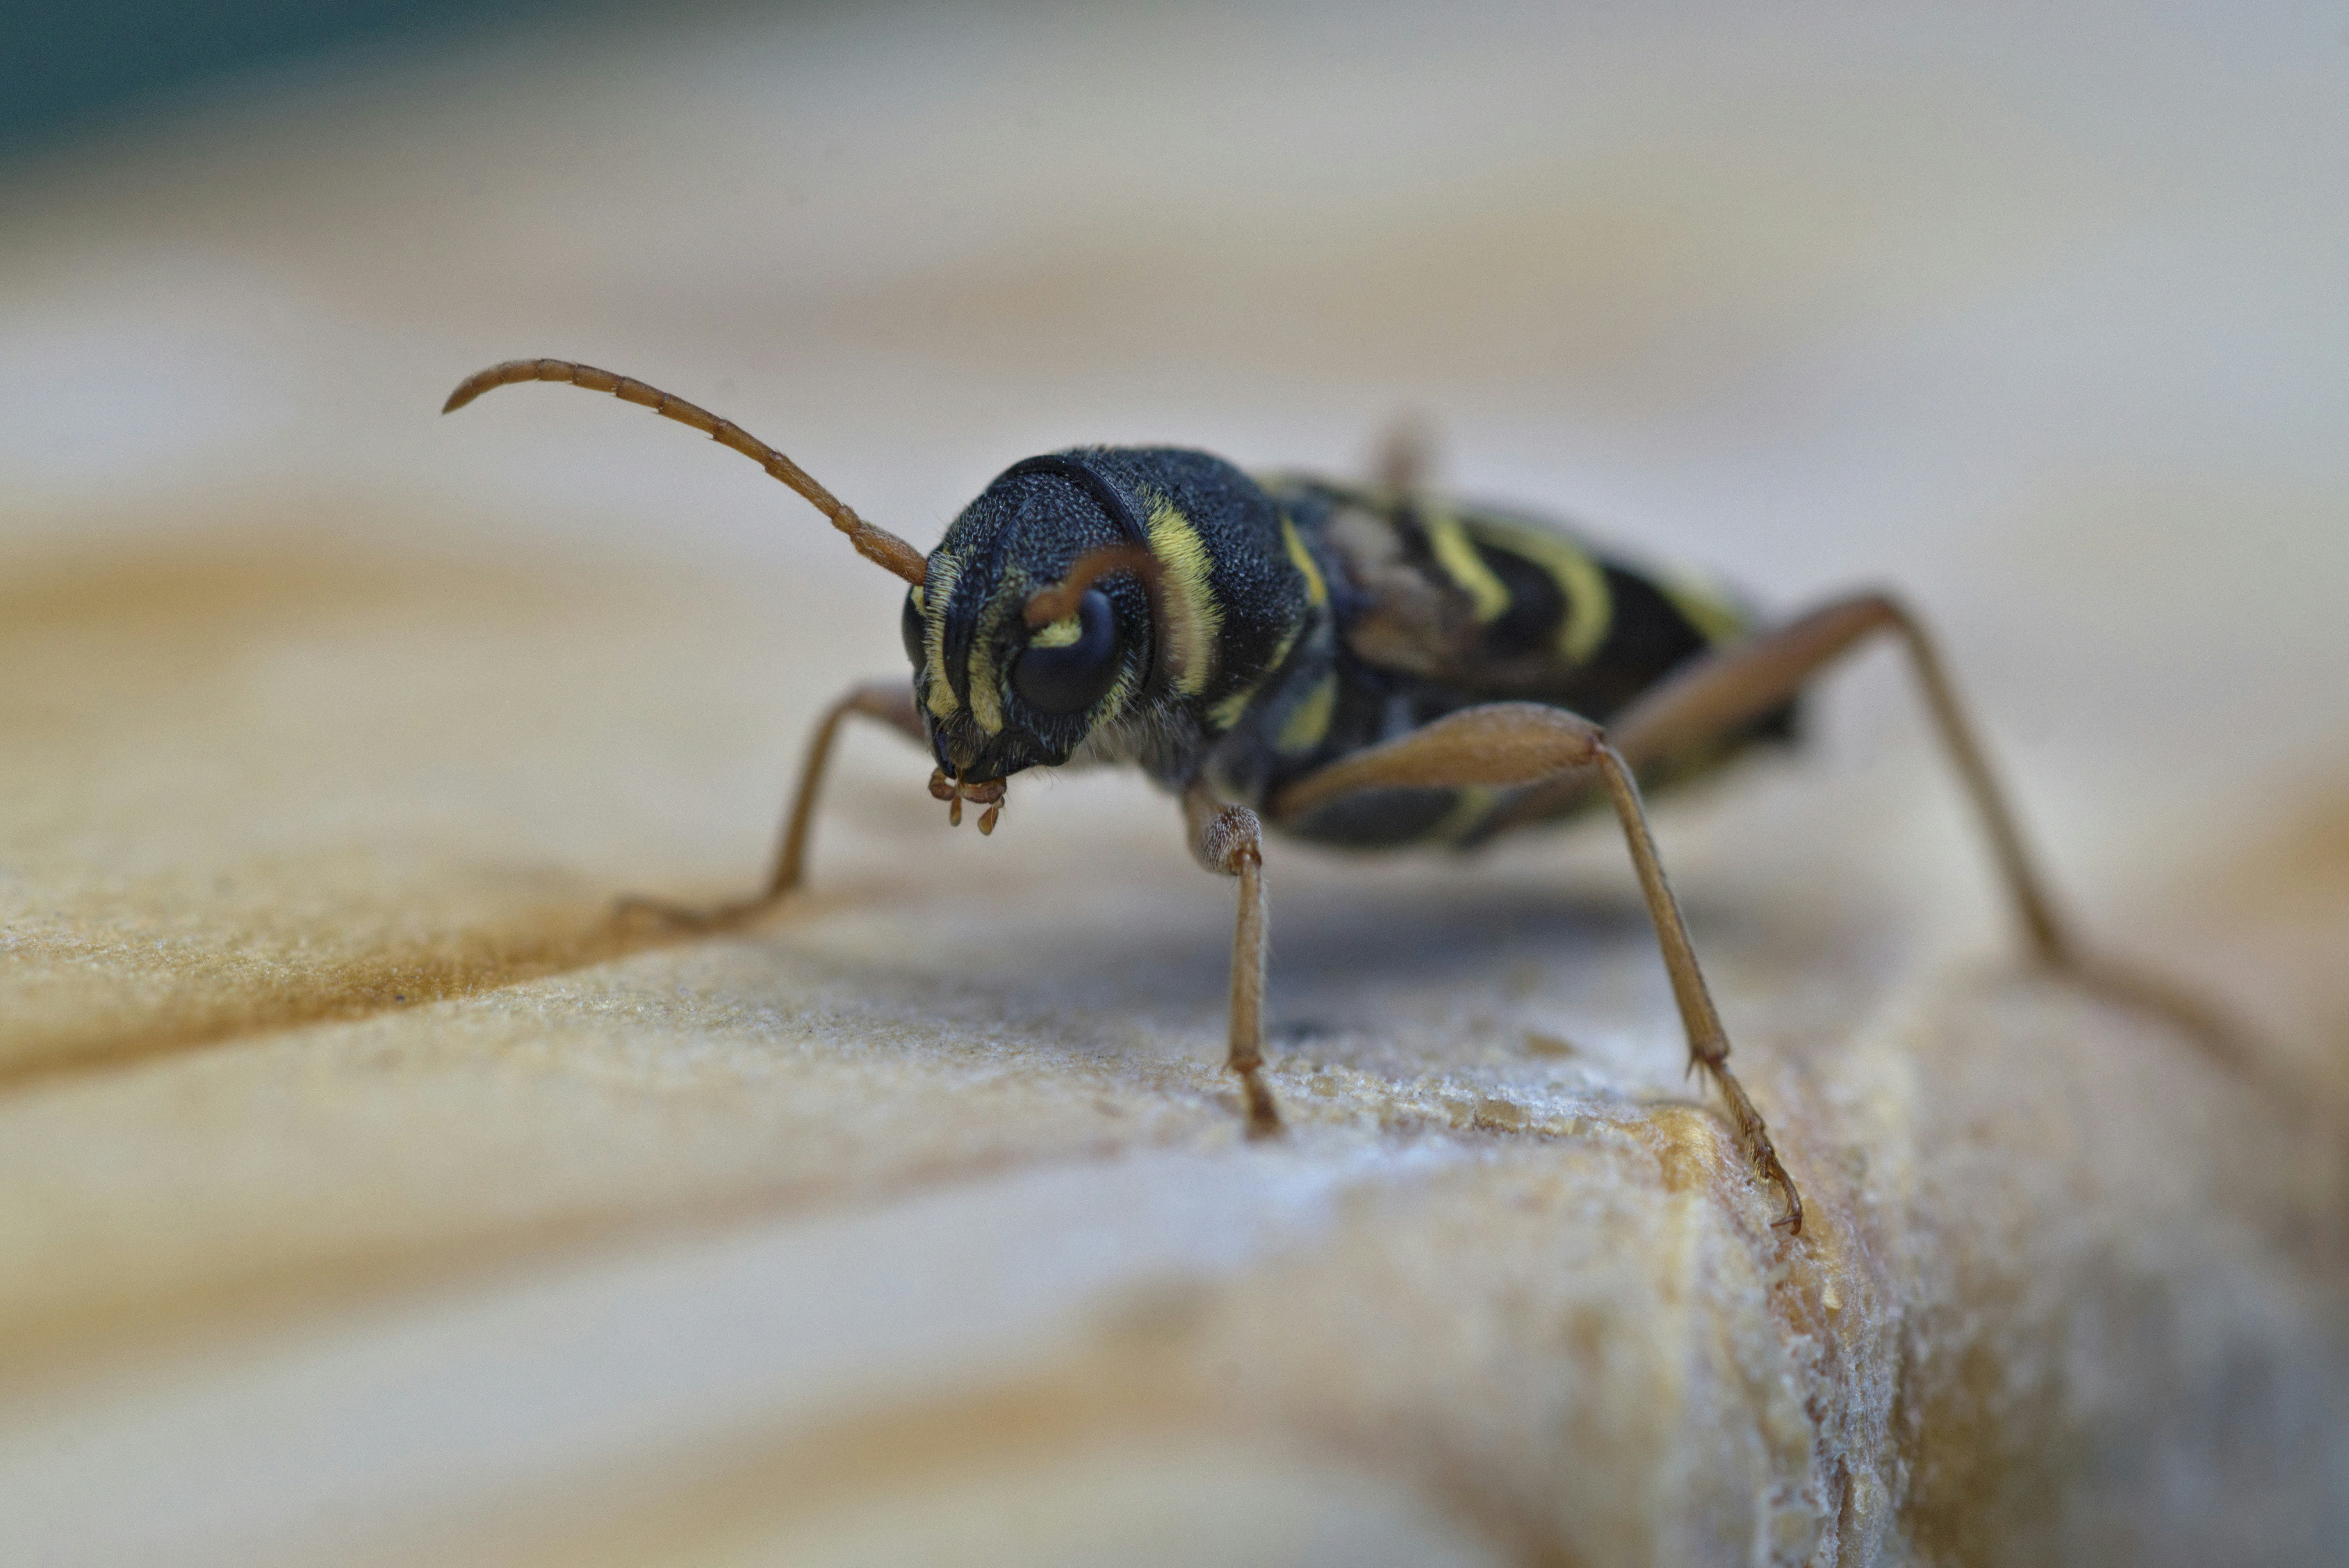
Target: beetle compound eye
(910, 627)
(1069, 674)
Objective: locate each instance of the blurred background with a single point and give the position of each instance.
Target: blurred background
(317, 704)
(2036, 310)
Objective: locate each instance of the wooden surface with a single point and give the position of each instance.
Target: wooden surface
(366, 1194)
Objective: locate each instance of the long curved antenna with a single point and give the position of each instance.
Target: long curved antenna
(876, 544)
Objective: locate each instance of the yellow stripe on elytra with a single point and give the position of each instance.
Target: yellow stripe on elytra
(1589, 604)
(1195, 621)
(1456, 553)
(1229, 710)
(935, 592)
(1590, 607)
(1316, 590)
(1307, 724)
(1716, 619)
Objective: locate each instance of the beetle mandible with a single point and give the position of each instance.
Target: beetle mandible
(1354, 664)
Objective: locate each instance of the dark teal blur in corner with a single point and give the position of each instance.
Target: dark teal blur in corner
(70, 67)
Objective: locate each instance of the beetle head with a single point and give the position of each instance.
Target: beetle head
(1032, 631)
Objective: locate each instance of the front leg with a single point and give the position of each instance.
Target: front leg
(1227, 841)
(888, 702)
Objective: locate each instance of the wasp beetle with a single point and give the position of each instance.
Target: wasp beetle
(1352, 664)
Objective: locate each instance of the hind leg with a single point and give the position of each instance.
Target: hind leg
(1715, 694)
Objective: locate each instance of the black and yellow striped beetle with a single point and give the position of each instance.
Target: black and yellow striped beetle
(1354, 664)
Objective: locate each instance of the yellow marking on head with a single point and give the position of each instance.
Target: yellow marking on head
(1307, 724)
(1456, 553)
(986, 698)
(1195, 621)
(943, 568)
(1058, 634)
(1113, 704)
(1316, 590)
(1103, 725)
(1589, 604)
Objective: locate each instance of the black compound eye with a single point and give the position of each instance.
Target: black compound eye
(1073, 676)
(910, 627)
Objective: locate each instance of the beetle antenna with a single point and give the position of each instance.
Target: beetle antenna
(1048, 604)
(876, 544)
(1061, 599)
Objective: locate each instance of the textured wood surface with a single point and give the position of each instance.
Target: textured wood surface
(368, 1194)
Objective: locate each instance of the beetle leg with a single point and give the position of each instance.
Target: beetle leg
(1726, 689)
(1713, 695)
(1520, 743)
(1227, 841)
(890, 702)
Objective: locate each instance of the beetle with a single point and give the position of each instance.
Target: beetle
(1366, 666)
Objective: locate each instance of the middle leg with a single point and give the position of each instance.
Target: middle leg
(1516, 743)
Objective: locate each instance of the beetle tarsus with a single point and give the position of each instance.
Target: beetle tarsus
(690, 917)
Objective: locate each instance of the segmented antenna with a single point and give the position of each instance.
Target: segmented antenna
(1048, 604)
(876, 544)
